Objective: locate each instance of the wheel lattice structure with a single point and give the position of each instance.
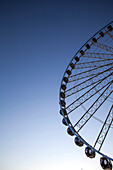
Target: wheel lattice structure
(86, 98)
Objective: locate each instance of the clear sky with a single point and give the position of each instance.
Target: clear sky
(37, 41)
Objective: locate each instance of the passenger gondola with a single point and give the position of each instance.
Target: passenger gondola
(105, 163)
(78, 142)
(89, 152)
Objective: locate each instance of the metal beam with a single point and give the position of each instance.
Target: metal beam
(105, 128)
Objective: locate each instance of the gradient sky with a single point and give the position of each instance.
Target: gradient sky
(38, 40)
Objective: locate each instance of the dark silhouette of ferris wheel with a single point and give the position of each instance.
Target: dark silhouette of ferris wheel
(86, 98)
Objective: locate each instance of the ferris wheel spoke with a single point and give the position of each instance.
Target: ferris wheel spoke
(105, 128)
(91, 64)
(89, 73)
(87, 83)
(111, 36)
(79, 87)
(103, 46)
(94, 107)
(87, 95)
(93, 77)
(99, 56)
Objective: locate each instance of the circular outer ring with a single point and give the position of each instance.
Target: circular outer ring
(81, 50)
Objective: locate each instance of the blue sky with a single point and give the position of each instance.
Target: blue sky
(38, 40)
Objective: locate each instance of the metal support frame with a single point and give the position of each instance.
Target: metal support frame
(94, 107)
(104, 47)
(87, 95)
(105, 128)
(99, 55)
(92, 80)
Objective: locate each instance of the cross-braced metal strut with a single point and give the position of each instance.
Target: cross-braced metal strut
(105, 128)
(94, 107)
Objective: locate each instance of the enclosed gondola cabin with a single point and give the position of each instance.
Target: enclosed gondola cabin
(64, 112)
(63, 87)
(89, 152)
(70, 132)
(62, 95)
(72, 65)
(66, 121)
(78, 142)
(105, 163)
(68, 72)
(63, 103)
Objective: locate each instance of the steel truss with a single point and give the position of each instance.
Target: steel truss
(105, 128)
(87, 86)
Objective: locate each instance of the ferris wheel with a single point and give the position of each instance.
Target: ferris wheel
(86, 98)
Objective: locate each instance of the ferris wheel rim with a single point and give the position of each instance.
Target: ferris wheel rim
(71, 127)
(87, 144)
(82, 48)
